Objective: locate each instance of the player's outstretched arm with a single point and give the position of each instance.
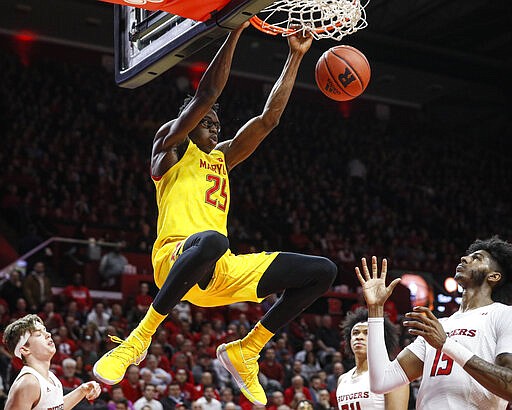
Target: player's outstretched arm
(208, 91)
(385, 375)
(495, 377)
(89, 390)
(24, 394)
(255, 130)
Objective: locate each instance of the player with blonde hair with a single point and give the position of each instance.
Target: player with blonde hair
(36, 387)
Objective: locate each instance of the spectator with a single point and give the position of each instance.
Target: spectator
(231, 406)
(67, 345)
(208, 400)
(315, 385)
(174, 397)
(117, 396)
(183, 311)
(162, 337)
(186, 387)
(112, 266)
(296, 387)
(157, 350)
(304, 405)
(143, 298)
(159, 377)
(295, 370)
(204, 364)
(79, 293)
(73, 326)
(37, 287)
(68, 379)
(87, 351)
(272, 369)
(206, 381)
(131, 385)
(311, 366)
(227, 397)
(20, 309)
(276, 400)
(307, 347)
(121, 404)
(118, 319)
(332, 379)
(324, 400)
(52, 319)
(99, 317)
(12, 289)
(3, 395)
(327, 337)
(148, 399)
(5, 318)
(144, 242)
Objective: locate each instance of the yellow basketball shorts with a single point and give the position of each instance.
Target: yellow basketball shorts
(235, 278)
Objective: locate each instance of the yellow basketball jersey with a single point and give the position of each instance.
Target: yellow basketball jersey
(193, 196)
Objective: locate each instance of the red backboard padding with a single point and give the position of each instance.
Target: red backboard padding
(199, 10)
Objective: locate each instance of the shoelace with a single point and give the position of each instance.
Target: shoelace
(127, 351)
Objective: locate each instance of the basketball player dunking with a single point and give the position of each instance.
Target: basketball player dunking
(36, 387)
(465, 360)
(191, 256)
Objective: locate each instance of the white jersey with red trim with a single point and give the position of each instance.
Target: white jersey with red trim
(485, 331)
(353, 393)
(52, 397)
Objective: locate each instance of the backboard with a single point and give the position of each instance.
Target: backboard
(148, 43)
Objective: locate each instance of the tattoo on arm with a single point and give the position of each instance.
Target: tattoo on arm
(495, 378)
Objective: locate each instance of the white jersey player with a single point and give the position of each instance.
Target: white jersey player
(36, 387)
(484, 331)
(464, 361)
(353, 391)
(50, 389)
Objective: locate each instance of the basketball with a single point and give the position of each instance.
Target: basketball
(342, 73)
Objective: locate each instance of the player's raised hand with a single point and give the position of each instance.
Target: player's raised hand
(91, 390)
(300, 41)
(375, 291)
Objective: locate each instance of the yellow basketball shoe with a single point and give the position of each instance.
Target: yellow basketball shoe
(244, 370)
(110, 369)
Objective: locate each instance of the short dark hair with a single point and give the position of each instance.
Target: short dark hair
(501, 253)
(361, 315)
(188, 99)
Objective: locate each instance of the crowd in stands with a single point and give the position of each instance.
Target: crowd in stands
(181, 369)
(76, 156)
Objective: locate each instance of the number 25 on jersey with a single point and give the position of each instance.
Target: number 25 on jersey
(219, 183)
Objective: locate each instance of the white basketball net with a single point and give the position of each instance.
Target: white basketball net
(332, 19)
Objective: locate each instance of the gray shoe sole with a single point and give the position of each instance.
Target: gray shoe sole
(223, 357)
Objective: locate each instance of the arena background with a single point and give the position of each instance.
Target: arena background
(432, 132)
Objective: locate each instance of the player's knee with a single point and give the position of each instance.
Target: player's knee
(326, 273)
(213, 245)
